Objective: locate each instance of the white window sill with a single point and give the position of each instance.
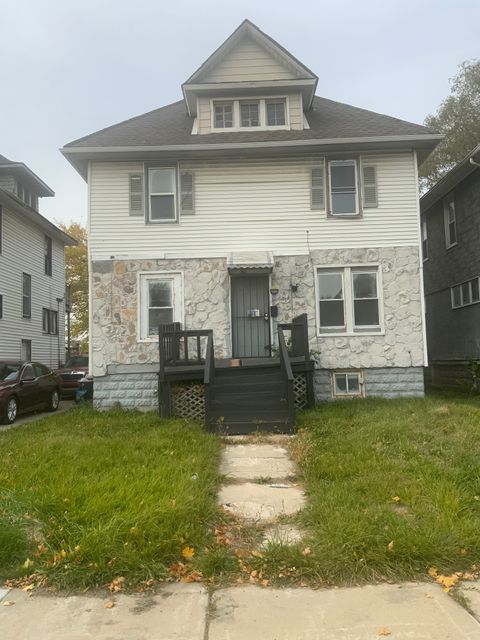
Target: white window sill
(351, 334)
(451, 246)
(147, 340)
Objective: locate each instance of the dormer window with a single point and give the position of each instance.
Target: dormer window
(275, 113)
(258, 113)
(223, 115)
(249, 114)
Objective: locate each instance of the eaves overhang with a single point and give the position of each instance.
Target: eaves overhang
(80, 156)
(14, 204)
(21, 168)
(451, 179)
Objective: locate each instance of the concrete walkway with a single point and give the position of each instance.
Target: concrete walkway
(261, 487)
(189, 612)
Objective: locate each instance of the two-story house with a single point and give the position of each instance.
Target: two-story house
(248, 202)
(451, 258)
(32, 270)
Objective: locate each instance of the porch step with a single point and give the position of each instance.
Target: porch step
(248, 399)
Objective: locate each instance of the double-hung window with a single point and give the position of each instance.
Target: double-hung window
(250, 114)
(26, 295)
(349, 300)
(48, 256)
(343, 183)
(160, 302)
(162, 194)
(223, 115)
(465, 294)
(50, 321)
(275, 113)
(450, 223)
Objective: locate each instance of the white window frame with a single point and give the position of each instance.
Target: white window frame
(365, 327)
(166, 193)
(424, 238)
(143, 278)
(332, 329)
(460, 286)
(223, 103)
(345, 162)
(446, 211)
(348, 372)
(262, 100)
(350, 330)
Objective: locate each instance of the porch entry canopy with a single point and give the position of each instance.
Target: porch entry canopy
(250, 262)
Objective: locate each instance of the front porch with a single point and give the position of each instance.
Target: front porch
(235, 395)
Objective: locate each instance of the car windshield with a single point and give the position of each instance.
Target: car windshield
(9, 372)
(77, 361)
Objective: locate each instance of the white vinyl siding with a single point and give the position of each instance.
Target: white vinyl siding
(252, 205)
(248, 61)
(24, 252)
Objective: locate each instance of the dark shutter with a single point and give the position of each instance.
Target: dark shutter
(370, 198)
(317, 197)
(136, 194)
(187, 204)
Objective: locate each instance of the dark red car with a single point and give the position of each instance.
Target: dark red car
(27, 386)
(74, 370)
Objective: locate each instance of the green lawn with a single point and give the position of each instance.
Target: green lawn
(86, 497)
(393, 486)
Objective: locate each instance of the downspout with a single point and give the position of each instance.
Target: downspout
(90, 279)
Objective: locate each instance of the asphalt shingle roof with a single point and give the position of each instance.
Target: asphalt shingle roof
(170, 125)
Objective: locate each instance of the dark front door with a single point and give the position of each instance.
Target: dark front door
(250, 316)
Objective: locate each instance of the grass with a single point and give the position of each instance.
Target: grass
(86, 497)
(393, 489)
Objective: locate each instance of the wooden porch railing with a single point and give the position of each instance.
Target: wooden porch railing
(286, 369)
(300, 348)
(209, 383)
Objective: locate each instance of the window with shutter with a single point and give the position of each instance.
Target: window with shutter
(186, 190)
(370, 198)
(317, 200)
(136, 194)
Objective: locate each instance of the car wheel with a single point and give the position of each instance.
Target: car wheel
(11, 410)
(54, 400)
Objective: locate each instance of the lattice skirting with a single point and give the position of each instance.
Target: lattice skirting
(188, 401)
(300, 391)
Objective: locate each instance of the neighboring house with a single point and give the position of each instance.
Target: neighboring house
(451, 263)
(249, 202)
(32, 270)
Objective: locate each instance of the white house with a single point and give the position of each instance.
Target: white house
(32, 270)
(246, 203)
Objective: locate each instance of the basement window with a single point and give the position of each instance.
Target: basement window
(347, 384)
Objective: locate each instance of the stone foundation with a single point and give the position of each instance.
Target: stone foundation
(393, 382)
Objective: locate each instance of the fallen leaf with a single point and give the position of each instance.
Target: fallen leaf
(8, 603)
(390, 546)
(109, 605)
(188, 553)
(396, 498)
(117, 584)
(28, 563)
(447, 581)
(194, 576)
(28, 587)
(265, 583)
(384, 632)
(433, 572)
(307, 551)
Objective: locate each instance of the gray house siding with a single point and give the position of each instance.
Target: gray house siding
(23, 252)
(453, 335)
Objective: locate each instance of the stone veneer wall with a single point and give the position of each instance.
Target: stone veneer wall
(394, 358)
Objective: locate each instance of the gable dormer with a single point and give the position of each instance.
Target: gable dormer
(249, 83)
(18, 179)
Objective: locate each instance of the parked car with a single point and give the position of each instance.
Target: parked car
(27, 386)
(74, 370)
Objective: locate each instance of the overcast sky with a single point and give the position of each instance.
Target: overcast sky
(70, 68)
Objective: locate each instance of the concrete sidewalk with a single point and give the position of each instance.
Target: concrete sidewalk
(188, 612)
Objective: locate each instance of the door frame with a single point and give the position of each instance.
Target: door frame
(270, 320)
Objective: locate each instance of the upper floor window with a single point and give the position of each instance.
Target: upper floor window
(50, 321)
(424, 239)
(26, 295)
(48, 256)
(241, 114)
(349, 300)
(250, 114)
(275, 113)
(162, 194)
(450, 223)
(343, 187)
(223, 115)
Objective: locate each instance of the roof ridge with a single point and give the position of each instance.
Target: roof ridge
(122, 122)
